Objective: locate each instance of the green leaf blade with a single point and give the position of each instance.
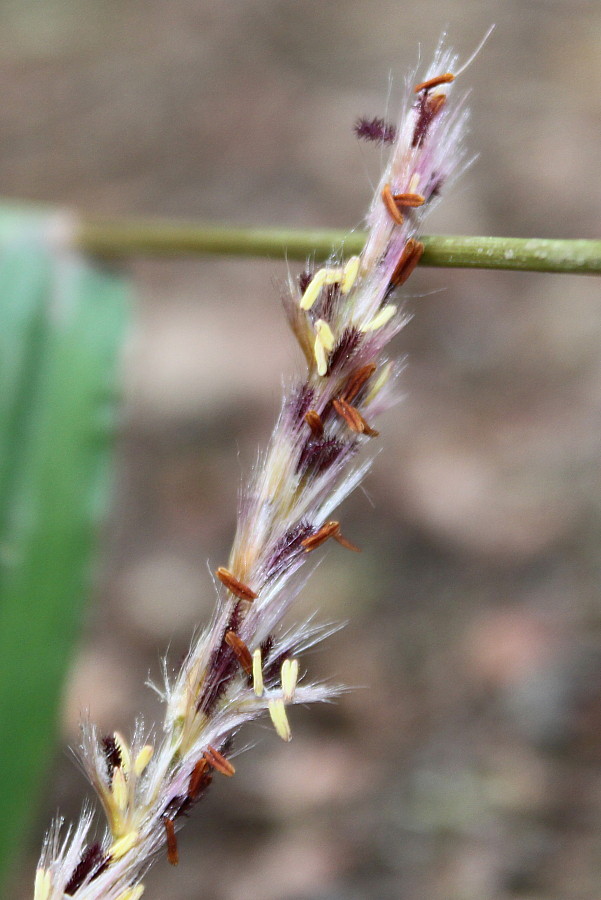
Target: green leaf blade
(62, 332)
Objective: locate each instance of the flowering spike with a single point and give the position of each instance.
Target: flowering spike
(343, 322)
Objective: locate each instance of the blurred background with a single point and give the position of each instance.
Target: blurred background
(466, 763)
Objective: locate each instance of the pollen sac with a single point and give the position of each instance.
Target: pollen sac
(219, 762)
(277, 712)
(351, 270)
(238, 588)
(172, 852)
(357, 380)
(258, 672)
(241, 651)
(313, 289)
(289, 674)
(380, 319)
(393, 210)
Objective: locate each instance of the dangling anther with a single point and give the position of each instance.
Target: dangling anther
(172, 854)
(198, 778)
(367, 429)
(346, 543)
(219, 762)
(356, 381)
(313, 420)
(436, 102)
(353, 418)
(350, 415)
(391, 206)
(410, 257)
(240, 590)
(241, 651)
(408, 199)
(329, 530)
(434, 82)
(320, 537)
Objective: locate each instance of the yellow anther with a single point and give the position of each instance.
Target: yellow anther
(321, 278)
(380, 319)
(123, 748)
(143, 758)
(379, 383)
(258, 672)
(313, 288)
(324, 333)
(123, 845)
(42, 885)
(119, 789)
(321, 357)
(333, 276)
(289, 676)
(132, 893)
(277, 711)
(349, 275)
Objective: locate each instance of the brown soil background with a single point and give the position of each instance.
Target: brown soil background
(466, 764)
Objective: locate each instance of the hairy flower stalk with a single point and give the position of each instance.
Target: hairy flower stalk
(245, 663)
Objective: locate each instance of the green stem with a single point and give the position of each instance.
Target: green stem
(162, 238)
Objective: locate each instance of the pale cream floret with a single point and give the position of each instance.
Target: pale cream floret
(123, 845)
(380, 319)
(413, 184)
(289, 675)
(142, 759)
(277, 711)
(133, 893)
(119, 789)
(43, 885)
(258, 673)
